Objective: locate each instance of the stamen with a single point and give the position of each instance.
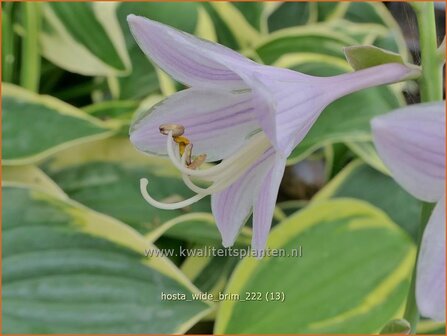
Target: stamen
(190, 184)
(192, 164)
(197, 162)
(226, 179)
(221, 175)
(182, 143)
(177, 130)
(242, 159)
(167, 206)
(188, 154)
(213, 188)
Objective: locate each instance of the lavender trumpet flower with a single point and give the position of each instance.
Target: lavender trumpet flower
(411, 142)
(247, 115)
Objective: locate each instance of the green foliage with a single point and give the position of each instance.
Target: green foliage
(84, 38)
(75, 227)
(398, 326)
(79, 18)
(67, 269)
(352, 277)
(359, 181)
(290, 14)
(32, 125)
(315, 41)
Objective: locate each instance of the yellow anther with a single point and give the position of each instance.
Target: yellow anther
(197, 162)
(182, 143)
(188, 154)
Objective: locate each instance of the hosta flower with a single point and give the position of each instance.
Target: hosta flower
(246, 115)
(411, 142)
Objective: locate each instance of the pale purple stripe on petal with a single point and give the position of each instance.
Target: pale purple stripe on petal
(424, 161)
(233, 206)
(217, 123)
(288, 103)
(411, 142)
(286, 107)
(186, 58)
(341, 85)
(265, 203)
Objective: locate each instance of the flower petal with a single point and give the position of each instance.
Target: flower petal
(217, 123)
(232, 206)
(188, 59)
(288, 102)
(430, 281)
(411, 143)
(265, 204)
(341, 85)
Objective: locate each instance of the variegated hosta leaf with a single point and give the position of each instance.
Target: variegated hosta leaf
(302, 40)
(118, 112)
(252, 12)
(363, 22)
(84, 38)
(364, 13)
(290, 14)
(36, 126)
(224, 35)
(358, 180)
(67, 269)
(211, 273)
(246, 34)
(327, 11)
(31, 176)
(238, 24)
(327, 287)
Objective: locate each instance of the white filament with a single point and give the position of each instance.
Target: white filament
(244, 157)
(167, 206)
(221, 175)
(213, 188)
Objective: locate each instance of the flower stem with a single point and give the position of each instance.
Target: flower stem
(431, 81)
(411, 310)
(8, 58)
(30, 73)
(431, 89)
